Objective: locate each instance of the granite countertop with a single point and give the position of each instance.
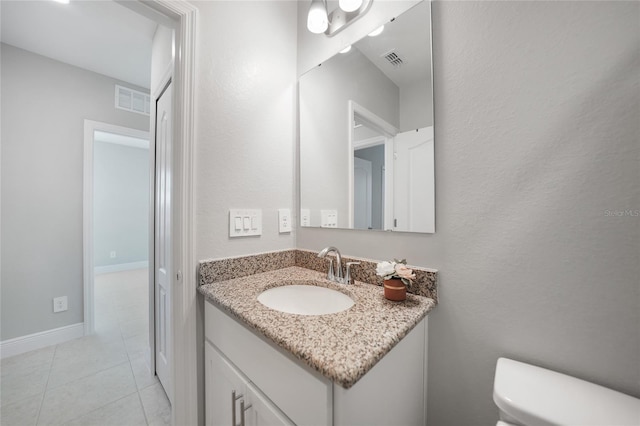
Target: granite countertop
(343, 346)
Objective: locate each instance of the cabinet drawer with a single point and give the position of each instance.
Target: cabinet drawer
(302, 394)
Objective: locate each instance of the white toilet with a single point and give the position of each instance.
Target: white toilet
(532, 396)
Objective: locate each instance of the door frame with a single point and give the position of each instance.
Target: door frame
(88, 268)
(185, 410)
(182, 17)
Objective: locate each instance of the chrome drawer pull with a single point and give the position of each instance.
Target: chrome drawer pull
(234, 398)
(242, 410)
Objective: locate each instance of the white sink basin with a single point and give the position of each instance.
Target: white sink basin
(305, 300)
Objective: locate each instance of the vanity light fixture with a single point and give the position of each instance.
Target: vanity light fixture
(346, 49)
(377, 31)
(320, 21)
(317, 19)
(350, 5)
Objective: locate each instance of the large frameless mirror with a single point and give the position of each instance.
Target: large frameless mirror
(366, 132)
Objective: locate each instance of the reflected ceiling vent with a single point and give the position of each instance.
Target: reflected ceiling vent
(393, 58)
(132, 100)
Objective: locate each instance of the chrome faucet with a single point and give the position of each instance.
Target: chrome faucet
(337, 277)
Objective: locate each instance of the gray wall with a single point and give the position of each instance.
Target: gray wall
(245, 114)
(245, 128)
(536, 138)
(121, 204)
(44, 104)
(325, 92)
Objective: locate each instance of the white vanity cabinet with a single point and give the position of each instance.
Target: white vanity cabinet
(283, 390)
(231, 399)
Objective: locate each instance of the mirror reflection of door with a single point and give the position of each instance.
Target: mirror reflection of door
(368, 176)
(362, 183)
(369, 192)
(414, 201)
(372, 149)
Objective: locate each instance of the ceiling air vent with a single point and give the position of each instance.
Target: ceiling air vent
(393, 58)
(132, 100)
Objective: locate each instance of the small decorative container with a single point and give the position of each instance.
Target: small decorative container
(394, 289)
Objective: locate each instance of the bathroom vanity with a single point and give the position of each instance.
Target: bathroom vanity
(365, 365)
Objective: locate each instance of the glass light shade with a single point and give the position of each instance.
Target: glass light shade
(350, 5)
(346, 49)
(377, 31)
(317, 19)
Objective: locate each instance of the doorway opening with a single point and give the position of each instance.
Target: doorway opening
(118, 166)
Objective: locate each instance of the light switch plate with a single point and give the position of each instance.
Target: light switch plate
(284, 220)
(245, 222)
(305, 217)
(329, 218)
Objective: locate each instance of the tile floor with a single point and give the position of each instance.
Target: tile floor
(99, 380)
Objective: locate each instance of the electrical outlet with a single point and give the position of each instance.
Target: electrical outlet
(60, 304)
(284, 220)
(112, 255)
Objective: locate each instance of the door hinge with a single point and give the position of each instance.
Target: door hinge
(395, 223)
(179, 276)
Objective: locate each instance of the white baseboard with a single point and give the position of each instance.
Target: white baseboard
(120, 267)
(30, 342)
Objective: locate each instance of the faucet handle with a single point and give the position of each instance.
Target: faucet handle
(331, 274)
(348, 279)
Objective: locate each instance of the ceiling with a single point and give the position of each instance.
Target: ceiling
(100, 36)
(407, 36)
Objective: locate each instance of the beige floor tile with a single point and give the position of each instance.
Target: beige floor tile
(21, 413)
(123, 412)
(84, 357)
(27, 362)
(16, 387)
(142, 374)
(156, 405)
(137, 345)
(133, 328)
(82, 396)
(107, 325)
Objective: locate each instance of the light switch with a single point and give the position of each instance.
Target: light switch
(245, 222)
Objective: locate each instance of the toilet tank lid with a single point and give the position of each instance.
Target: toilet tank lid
(534, 395)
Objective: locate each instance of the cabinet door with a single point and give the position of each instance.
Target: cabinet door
(262, 411)
(222, 382)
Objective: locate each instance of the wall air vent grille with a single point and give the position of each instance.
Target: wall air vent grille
(394, 59)
(132, 100)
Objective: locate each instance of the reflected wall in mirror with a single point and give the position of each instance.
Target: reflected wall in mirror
(366, 132)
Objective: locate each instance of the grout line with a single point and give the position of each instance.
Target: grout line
(144, 411)
(99, 408)
(46, 386)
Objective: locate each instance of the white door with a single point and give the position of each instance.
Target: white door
(163, 272)
(362, 184)
(413, 183)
